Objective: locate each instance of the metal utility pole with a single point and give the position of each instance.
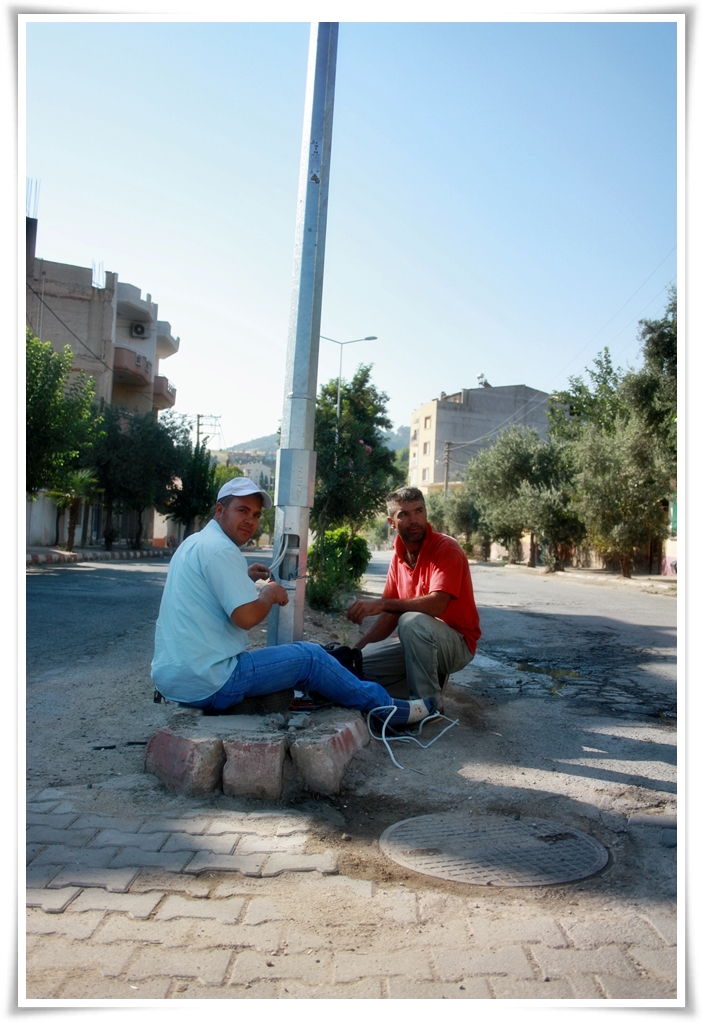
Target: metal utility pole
(447, 459)
(296, 459)
(213, 421)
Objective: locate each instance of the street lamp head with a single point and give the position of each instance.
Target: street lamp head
(370, 338)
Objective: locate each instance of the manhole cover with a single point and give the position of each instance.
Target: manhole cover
(494, 851)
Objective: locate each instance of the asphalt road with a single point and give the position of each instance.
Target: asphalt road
(547, 628)
(75, 612)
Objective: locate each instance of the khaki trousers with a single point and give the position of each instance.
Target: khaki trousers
(417, 662)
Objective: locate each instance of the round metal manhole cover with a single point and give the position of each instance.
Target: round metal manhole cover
(494, 851)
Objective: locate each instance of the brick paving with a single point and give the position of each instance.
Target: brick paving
(216, 904)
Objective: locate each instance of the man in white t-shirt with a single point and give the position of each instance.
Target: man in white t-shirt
(211, 601)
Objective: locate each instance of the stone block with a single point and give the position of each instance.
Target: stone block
(252, 843)
(617, 988)
(321, 755)
(350, 966)
(222, 844)
(496, 933)
(208, 967)
(453, 966)
(367, 989)
(401, 988)
(625, 929)
(76, 927)
(99, 988)
(251, 966)
(176, 907)
(63, 953)
(192, 765)
(531, 989)
(663, 964)
(136, 906)
(39, 876)
(285, 862)
(254, 766)
(665, 925)
(249, 865)
(118, 880)
(120, 928)
(51, 901)
(604, 961)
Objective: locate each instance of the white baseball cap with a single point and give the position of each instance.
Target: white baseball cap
(242, 486)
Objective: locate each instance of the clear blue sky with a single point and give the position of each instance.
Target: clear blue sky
(498, 192)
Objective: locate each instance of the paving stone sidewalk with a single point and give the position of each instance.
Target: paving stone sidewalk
(224, 904)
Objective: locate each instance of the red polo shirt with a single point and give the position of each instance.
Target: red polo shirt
(441, 566)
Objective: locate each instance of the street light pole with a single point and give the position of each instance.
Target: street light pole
(295, 464)
(341, 352)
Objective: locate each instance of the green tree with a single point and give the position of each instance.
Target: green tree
(493, 479)
(69, 495)
(355, 469)
(223, 473)
(196, 495)
(652, 391)
(599, 402)
(61, 423)
(137, 461)
(107, 457)
(622, 484)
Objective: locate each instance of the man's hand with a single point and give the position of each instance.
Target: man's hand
(272, 592)
(257, 571)
(361, 609)
(250, 614)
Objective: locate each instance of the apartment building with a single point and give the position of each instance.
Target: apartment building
(117, 338)
(115, 334)
(469, 421)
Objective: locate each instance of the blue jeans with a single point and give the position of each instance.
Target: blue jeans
(301, 665)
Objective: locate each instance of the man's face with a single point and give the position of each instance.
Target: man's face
(239, 519)
(410, 521)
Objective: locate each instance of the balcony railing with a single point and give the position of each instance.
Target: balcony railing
(164, 393)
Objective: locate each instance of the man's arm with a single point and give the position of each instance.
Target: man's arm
(384, 626)
(250, 614)
(433, 604)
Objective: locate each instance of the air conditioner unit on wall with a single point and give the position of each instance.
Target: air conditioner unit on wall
(140, 330)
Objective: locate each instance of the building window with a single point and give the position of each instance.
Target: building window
(427, 421)
(425, 448)
(425, 475)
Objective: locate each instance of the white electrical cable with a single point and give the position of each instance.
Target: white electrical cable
(406, 738)
(281, 554)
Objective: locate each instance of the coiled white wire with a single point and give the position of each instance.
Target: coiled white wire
(406, 738)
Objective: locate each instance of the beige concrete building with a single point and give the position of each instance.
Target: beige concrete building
(117, 338)
(115, 334)
(470, 420)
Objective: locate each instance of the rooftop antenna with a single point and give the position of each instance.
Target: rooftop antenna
(32, 191)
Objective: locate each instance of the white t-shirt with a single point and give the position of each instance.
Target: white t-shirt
(197, 643)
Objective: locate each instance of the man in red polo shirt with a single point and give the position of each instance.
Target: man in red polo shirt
(428, 598)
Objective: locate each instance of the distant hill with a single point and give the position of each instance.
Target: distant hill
(269, 444)
(265, 444)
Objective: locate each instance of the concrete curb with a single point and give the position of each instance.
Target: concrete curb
(253, 763)
(103, 555)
